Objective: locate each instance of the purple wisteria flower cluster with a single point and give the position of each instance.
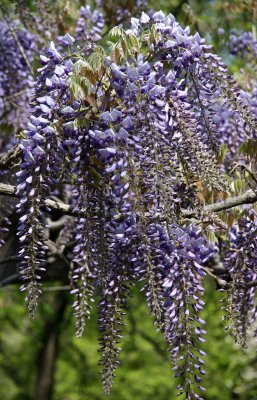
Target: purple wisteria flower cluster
(240, 261)
(89, 27)
(243, 44)
(129, 135)
(122, 12)
(185, 256)
(18, 47)
(43, 156)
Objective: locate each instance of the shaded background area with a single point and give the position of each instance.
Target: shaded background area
(43, 360)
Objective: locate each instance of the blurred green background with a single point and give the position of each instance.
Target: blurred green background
(145, 370)
(48, 346)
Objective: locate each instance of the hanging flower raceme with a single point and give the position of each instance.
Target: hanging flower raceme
(16, 81)
(241, 263)
(41, 168)
(89, 27)
(243, 44)
(183, 255)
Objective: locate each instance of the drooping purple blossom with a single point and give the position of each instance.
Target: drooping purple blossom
(241, 263)
(40, 169)
(242, 44)
(89, 27)
(183, 253)
(16, 81)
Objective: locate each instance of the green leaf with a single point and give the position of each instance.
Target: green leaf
(97, 178)
(82, 64)
(80, 86)
(80, 122)
(95, 61)
(222, 153)
(100, 50)
(153, 34)
(116, 31)
(210, 235)
(249, 148)
(238, 186)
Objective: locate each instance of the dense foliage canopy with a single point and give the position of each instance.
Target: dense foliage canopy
(130, 157)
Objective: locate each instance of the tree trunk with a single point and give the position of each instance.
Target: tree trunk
(48, 355)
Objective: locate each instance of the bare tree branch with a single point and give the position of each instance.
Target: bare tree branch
(61, 208)
(248, 197)
(7, 190)
(222, 283)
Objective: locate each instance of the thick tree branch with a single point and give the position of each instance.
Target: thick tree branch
(248, 197)
(7, 190)
(61, 208)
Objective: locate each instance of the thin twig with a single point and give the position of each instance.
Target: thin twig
(9, 280)
(17, 94)
(221, 282)
(11, 155)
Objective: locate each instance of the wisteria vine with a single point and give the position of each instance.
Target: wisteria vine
(131, 138)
